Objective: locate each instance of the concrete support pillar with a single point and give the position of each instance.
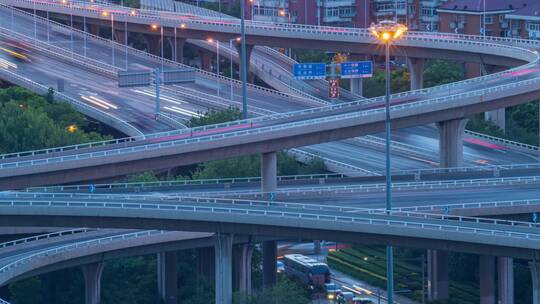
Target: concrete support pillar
(437, 272)
(317, 247)
(498, 117)
(120, 36)
(535, 273)
(269, 185)
(180, 43)
(93, 29)
(242, 267)
(269, 263)
(167, 277)
(487, 279)
(92, 282)
(357, 86)
(269, 172)
(206, 60)
(506, 280)
(223, 257)
(205, 263)
(153, 44)
(416, 72)
(451, 142)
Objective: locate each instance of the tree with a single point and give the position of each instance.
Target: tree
(215, 117)
(285, 291)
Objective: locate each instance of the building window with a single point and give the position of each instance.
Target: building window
(488, 19)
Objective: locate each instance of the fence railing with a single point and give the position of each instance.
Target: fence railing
(44, 237)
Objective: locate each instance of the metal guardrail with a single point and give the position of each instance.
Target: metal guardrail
(44, 237)
(471, 97)
(77, 245)
(505, 142)
(336, 189)
(446, 208)
(350, 218)
(353, 170)
(197, 201)
(4, 302)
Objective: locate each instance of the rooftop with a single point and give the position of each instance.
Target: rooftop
(491, 5)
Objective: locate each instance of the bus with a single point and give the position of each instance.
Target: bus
(314, 274)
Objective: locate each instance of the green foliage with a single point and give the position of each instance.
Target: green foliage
(59, 287)
(439, 72)
(144, 177)
(312, 56)
(216, 117)
(285, 291)
(375, 86)
(407, 273)
(130, 280)
(29, 121)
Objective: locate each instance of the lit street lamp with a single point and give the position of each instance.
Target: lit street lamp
(237, 39)
(387, 32)
(210, 40)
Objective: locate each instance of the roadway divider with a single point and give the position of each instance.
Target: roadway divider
(44, 237)
(171, 120)
(505, 142)
(451, 208)
(331, 165)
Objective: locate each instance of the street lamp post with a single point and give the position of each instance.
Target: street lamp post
(237, 39)
(218, 82)
(387, 32)
(244, 63)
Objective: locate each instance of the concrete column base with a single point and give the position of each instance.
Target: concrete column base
(249, 50)
(506, 280)
(269, 263)
(269, 173)
(92, 282)
(487, 279)
(437, 272)
(179, 52)
(223, 257)
(206, 60)
(153, 44)
(451, 142)
(167, 277)
(498, 117)
(357, 86)
(535, 273)
(416, 72)
(242, 267)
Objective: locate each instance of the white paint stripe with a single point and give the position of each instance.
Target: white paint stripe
(95, 102)
(104, 102)
(188, 111)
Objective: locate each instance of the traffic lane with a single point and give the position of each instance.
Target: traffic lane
(367, 157)
(475, 151)
(412, 198)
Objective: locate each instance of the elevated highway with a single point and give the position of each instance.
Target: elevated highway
(343, 152)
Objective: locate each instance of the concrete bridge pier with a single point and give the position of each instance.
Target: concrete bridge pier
(487, 279)
(451, 142)
(92, 282)
(535, 273)
(505, 275)
(437, 272)
(93, 29)
(120, 36)
(357, 86)
(269, 186)
(167, 277)
(153, 44)
(223, 257)
(179, 49)
(249, 50)
(416, 72)
(243, 254)
(498, 117)
(206, 60)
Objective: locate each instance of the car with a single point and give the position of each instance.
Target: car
(345, 297)
(331, 290)
(280, 267)
(357, 300)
